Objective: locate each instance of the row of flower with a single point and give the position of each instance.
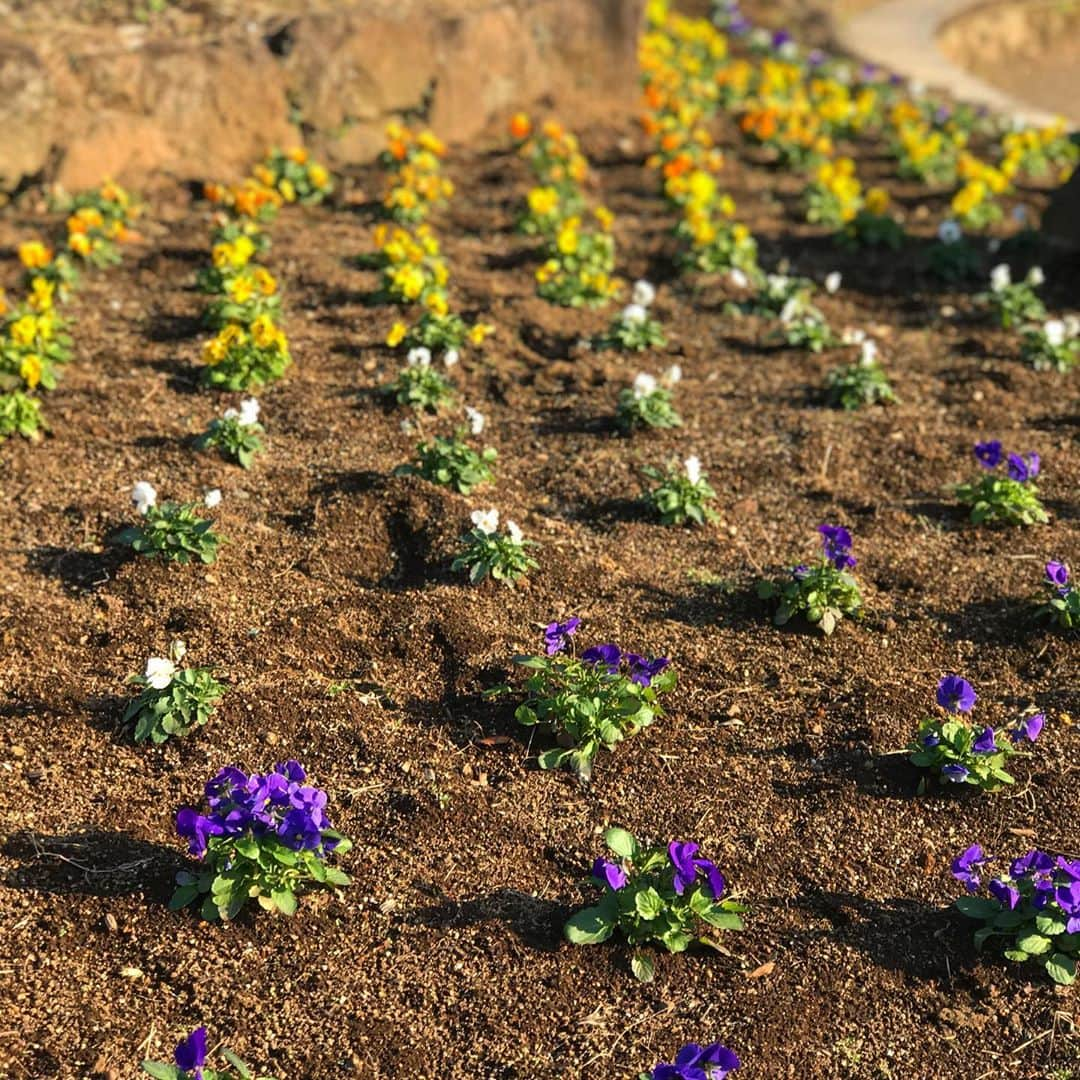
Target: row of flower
(34, 340)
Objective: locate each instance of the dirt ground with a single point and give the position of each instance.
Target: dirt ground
(445, 956)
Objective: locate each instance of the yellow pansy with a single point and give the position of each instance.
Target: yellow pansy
(436, 303)
(264, 333)
(266, 282)
(877, 200)
(479, 332)
(23, 331)
(34, 255)
(30, 370)
(396, 335)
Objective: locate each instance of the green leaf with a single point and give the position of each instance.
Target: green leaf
(722, 920)
(642, 967)
(1035, 944)
(242, 1070)
(1050, 925)
(1062, 969)
(183, 896)
(621, 842)
(648, 903)
(1018, 955)
(285, 900)
(590, 926)
(161, 1071)
(977, 907)
(551, 759)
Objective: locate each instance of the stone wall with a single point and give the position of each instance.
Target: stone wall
(206, 96)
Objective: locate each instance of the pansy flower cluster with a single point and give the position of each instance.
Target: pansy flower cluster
(34, 342)
(1035, 907)
(654, 895)
(851, 386)
(953, 750)
(635, 328)
(250, 349)
(489, 553)
(236, 434)
(646, 403)
(1012, 499)
(294, 175)
(1053, 345)
(266, 836)
(578, 270)
(589, 702)
(451, 461)
(822, 592)
(681, 496)
(1014, 302)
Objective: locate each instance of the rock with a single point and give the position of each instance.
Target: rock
(206, 99)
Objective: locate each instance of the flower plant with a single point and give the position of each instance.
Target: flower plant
(1053, 346)
(873, 225)
(955, 751)
(190, 1063)
(243, 359)
(20, 414)
(265, 837)
(822, 592)
(420, 385)
(647, 402)
(1063, 603)
(295, 176)
(1013, 302)
(235, 434)
(580, 267)
(694, 1062)
(863, 383)
(173, 531)
(634, 329)
(1035, 907)
(658, 895)
(1012, 499)
(173, 700)
(952, 257)
(591, 701)
(452, 462)
(243, 297)
(681, 497)
(489, 553)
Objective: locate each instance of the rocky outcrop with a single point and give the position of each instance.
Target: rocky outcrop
(206, 97)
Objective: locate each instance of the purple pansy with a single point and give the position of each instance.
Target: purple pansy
(1028, 728)
(931, 739)
(642, 670)
(686, 868)
(557, 635)
(1005, 892)
(612, 874)
(693, 1062)
(608, 655)
(956, 694)
(985, 743)
(988, 454)
(190, 1053)
(966, 866)
(1025, 468)
(836, 541)
(1057, 573)
(955, 774)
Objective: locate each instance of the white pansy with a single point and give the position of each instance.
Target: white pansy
(776, 282)
(868, 353)
(1072, 326)
(476, 419)
(1000, 277)
(853, 336)
(644, 384)
(159, 672)
(643, 293)
(451, 357)
(514, 532)
(788, 51)
(1035, 276)
(487, 521)
(1054, 330)
(738, 278)
(177, 651)
(789, 310)
(692, 465)
(673, 375)
(832, 282)
(917, 87)
(143, 496)
(634, 313)
(949, 232)
(249, 411)
(212, 498)
(418, 357)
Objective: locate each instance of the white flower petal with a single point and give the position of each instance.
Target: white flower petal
(159, 672)
(143, 496)
(212, 498)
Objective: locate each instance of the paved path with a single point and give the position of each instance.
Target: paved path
(901, 35)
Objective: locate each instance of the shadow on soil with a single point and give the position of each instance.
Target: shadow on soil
(537, 923)
(90, 863)
(78, 570)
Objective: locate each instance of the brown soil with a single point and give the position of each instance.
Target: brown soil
(444, 958)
